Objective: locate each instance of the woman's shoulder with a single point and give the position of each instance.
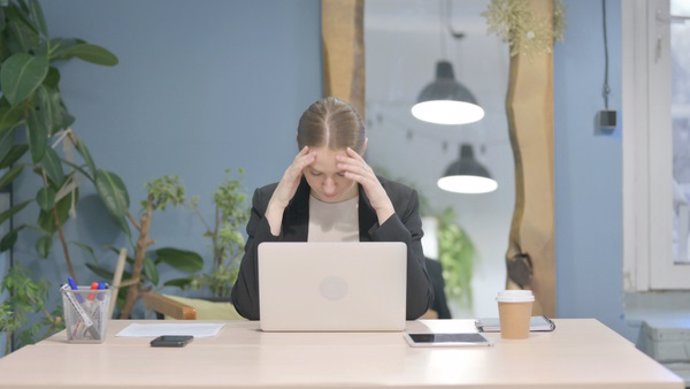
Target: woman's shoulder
(267, 189)
(263, 194)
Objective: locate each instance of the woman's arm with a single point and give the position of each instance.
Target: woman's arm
(406, 226)
(245, 292)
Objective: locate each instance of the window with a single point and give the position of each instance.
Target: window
(656, 144)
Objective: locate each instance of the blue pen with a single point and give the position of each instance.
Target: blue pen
(73, 286)
(102, 286)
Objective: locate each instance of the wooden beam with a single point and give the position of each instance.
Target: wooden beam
(342, 34)
(530, 256)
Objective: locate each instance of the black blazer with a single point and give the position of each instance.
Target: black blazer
(404, 226)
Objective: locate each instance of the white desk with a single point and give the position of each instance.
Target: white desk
(581, 352)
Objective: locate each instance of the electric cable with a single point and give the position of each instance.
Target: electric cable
(607, 89)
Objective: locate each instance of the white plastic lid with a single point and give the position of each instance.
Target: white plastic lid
(515, 296)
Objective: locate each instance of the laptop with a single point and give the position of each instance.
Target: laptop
(332, 286)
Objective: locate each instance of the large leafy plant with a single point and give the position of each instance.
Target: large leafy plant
(35, 120)
(36, 137)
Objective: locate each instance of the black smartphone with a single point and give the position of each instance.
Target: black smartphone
(171, 340)
(446, 340)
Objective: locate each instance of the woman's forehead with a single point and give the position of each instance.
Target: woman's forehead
(325, 159)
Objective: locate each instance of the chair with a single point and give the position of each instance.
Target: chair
(185, 308)
(439, 308)
(165, 306)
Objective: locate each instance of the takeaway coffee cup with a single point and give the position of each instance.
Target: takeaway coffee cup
(514, 312)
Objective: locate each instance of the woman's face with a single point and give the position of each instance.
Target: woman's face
(327, 183)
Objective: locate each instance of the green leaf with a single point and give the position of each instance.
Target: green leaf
(45, 111)
(183, 260)
(8, 177)
(87, 52)
(6, 143)
(52, 79)
(151, 271)
(53, 167)
(16, 152)
(124, 226)
(43, 245)
(113, 192)
(100, 271)
(60, 45)
(67, 118)
(46, 219)
(10, 239)
(36, 14)
(57, 111)
(24, 33)
(78, 168)
(10, 117)
(181, 283)
(22, 12)
(37, 134)
(10, 212)
(84, 152)
(86, 248)
(20, 75)
(46, 198)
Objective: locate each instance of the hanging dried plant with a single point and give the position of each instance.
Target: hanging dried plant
(525, 34)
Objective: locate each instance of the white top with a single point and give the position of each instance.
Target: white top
(333, 222)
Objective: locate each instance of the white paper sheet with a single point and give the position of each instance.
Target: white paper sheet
(198, 330)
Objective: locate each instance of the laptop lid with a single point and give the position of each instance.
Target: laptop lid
(332, 286)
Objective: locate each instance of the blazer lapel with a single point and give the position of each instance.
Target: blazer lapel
(367, 216)
(296, 217)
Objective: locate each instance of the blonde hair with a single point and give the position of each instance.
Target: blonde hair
(333, 123)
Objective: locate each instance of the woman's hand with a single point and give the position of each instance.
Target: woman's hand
(356, 169)
(286, 189)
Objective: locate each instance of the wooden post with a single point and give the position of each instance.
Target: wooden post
(342, 34)
(529, 103)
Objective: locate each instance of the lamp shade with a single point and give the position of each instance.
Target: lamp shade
(467, 175)
(446, 101)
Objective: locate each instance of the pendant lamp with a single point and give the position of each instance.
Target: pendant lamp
(446, 101)
(467, 175)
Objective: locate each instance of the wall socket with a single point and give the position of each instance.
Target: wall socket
(607, 119)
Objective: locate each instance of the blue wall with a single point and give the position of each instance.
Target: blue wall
(203, 86)
(588, 170)
(200, 87)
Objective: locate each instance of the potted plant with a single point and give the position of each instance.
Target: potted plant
(227, 242)
(34, 125)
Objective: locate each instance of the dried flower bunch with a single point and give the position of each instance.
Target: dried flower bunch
(525, 33)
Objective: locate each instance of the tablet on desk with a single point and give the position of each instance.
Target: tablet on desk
(446, 339)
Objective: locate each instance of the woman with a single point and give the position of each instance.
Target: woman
(329, 193)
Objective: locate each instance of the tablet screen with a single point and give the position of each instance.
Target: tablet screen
(444, 338)
(448, 339)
